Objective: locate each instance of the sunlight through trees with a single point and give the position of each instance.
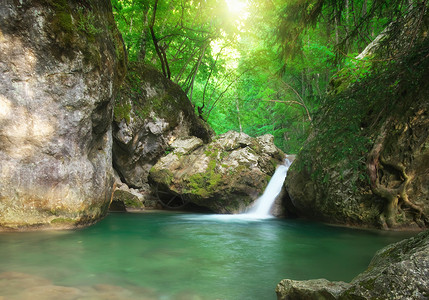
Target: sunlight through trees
(256, 66)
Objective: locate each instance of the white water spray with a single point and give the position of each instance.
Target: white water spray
(262, 206)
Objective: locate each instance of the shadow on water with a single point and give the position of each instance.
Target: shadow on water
(169, 255)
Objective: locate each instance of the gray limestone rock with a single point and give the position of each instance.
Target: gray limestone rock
(57, 85)
(151, 112)
(320, 289)
(129, 197)
(398, 271)
(225, 176)
(186, 144)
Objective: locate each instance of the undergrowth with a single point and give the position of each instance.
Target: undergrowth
(348, 122)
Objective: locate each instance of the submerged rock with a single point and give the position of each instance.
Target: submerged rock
(60, 65)
(225, 176)
(398, 271)
(150, 112)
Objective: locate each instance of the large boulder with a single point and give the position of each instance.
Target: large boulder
(398, 271)
(150, 112)
(225, 176)
(60, 65)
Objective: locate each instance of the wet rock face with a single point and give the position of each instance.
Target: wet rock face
(60, 64)
(225, 176)
(398, 271)
(151, 111)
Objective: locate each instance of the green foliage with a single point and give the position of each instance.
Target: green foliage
(227, 68)
(350, 25)
(266, 71)
(349, 120)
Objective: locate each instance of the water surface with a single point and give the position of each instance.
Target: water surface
(182, 256)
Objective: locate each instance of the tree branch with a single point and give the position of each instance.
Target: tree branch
(160, 52)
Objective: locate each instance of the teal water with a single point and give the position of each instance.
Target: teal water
(187, 256)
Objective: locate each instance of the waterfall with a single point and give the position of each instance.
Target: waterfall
(262, 206)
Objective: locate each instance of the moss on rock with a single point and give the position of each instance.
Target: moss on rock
(336, 159)
(72, 77)
(128, 199)
(150, 113)
(225, 176)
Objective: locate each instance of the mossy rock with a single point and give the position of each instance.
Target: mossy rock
(128, 199)
(398, 271)
(161, 176)
(389, 102)
(146, 93)
(150, 112)
(225, 176)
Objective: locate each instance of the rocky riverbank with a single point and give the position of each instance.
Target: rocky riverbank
(398, 271)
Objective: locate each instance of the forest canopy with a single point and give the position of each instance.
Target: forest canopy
(258, 66)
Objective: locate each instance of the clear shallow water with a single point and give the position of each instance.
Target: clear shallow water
(187, 256)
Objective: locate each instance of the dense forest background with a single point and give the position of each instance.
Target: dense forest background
(261, 66)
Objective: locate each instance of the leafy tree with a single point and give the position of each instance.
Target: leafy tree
(263, 68)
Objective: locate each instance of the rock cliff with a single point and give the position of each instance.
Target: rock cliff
(60, 65)
(225, 176)
(367, 161)
(150, 112)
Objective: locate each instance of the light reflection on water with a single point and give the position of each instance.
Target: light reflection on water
(185, 256)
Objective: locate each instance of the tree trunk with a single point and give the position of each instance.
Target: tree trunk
(143, 41)
(200, 59)
(160, 52)
(337, 35)
(238, 115)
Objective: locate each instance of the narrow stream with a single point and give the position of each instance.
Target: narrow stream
(180, 256)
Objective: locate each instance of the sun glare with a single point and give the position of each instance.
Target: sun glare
(237, 7)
